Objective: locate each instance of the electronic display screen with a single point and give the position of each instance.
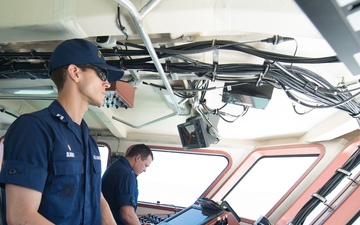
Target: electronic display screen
(191, 134)
(188, 134)
(191, 216)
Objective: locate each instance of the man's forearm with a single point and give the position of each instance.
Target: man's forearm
(129, 216)
(106, 216)
(132, 220)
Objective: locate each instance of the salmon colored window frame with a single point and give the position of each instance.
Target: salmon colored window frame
(195, 151)
(348, 208)
(274, 151)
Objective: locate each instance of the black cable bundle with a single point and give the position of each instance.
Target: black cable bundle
(188, 65)
(293, 80)
(313, 86)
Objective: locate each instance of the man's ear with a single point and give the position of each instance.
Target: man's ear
(138, 157)
(73, 72)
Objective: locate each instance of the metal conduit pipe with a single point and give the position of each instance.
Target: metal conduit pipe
(137, 18)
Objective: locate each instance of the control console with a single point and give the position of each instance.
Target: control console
(204, 212)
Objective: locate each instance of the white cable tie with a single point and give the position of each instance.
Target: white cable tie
(347, 173)
(322, 199)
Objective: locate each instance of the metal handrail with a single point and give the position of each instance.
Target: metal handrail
(137, 17)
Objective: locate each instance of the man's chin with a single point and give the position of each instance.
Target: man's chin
(99, 104)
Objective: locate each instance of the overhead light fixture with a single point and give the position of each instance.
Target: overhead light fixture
(40, 90)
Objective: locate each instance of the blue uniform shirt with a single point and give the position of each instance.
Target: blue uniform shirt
(48, 152)
(120, 187)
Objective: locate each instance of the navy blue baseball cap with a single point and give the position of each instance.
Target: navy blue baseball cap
(80, 51)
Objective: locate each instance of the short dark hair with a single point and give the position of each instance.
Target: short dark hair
(139, 149)
(58, 76)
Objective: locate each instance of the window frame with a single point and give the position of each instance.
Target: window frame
(346, 209)
(273, 151)
(109, 154)
(211, 187)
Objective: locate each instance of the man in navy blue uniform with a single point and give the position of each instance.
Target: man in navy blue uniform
(52, 168)
(119, 183)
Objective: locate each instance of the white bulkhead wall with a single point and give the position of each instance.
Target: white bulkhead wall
(44, 20)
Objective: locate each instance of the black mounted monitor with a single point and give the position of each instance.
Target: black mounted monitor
(194, 133)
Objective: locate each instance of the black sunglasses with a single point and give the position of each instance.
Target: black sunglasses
(101, 72)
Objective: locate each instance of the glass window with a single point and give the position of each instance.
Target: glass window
(179, 178)
(104, 154)
(265, 183)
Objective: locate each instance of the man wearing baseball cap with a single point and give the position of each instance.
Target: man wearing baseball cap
(52, 166)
